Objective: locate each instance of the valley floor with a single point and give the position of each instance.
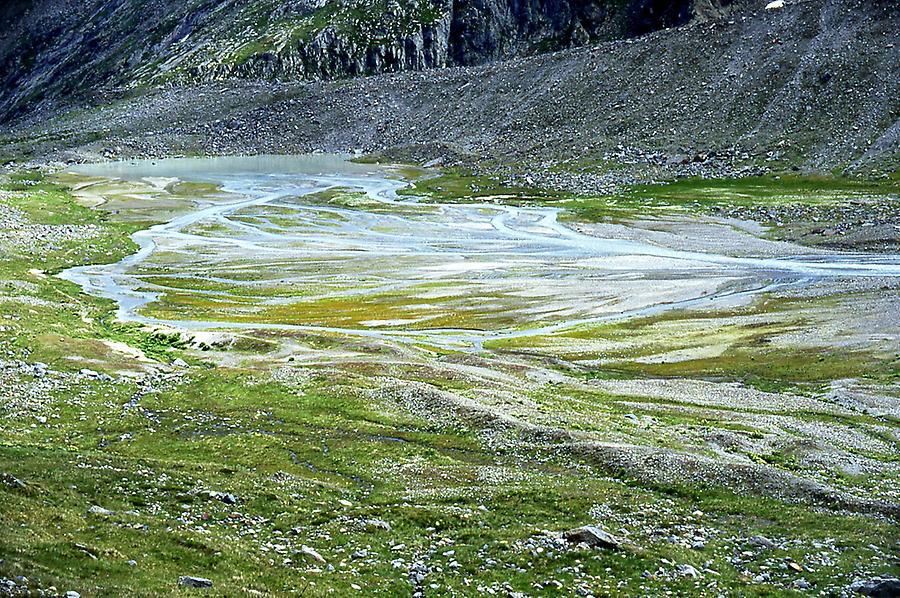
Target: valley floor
(748, 447)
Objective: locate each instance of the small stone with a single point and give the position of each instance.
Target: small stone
(72, 594)
(98, 510)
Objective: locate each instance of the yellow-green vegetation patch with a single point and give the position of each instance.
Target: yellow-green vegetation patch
(358, 200)
(456, 185)
(737, 344)
(697, 194)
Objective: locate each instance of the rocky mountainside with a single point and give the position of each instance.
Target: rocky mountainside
(810, 86)
(58, 49)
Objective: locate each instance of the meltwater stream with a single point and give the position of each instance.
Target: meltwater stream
(453, 275)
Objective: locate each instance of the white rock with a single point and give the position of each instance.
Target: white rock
(777, 4)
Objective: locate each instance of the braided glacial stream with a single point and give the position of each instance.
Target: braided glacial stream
(275, 256)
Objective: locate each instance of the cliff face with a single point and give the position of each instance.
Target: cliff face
(57, 49)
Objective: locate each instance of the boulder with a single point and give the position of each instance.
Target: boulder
(225, 497)
(877, 587)
(372, 525)
(687, 571)
(194, 582)
(12, 481)
(591, 535)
